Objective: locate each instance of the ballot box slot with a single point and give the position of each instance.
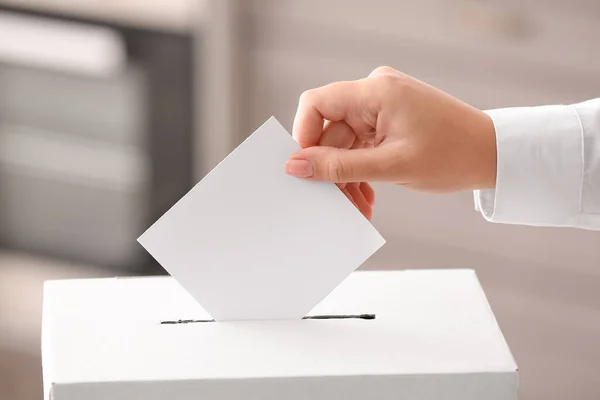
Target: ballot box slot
(343, 316)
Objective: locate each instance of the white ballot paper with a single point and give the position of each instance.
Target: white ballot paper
(250, 242)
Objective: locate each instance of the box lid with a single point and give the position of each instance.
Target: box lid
(428, 323)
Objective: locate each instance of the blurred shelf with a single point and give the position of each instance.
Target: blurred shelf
(59, 45)
(178, 16)
(88, 161)
(109, 109)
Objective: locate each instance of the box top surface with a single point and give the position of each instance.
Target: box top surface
(427, 322)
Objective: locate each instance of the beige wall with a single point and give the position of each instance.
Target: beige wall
(544, 284)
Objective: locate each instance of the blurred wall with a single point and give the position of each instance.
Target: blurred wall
(544, 284)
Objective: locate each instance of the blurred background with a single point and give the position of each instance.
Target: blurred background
(111, 110)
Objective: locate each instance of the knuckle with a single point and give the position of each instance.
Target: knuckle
(388, 79)
(306, 96)
(383, 70)
(391, 85)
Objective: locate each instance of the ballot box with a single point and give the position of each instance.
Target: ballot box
(418, 335)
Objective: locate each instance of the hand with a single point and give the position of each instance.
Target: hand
(390, 127)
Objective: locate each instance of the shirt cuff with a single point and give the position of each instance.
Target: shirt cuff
(539, 167)
(589, 114)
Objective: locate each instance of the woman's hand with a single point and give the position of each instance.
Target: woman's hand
(390, 127)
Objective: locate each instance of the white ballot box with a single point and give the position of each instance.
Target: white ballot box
(263, 304)
(418, 335)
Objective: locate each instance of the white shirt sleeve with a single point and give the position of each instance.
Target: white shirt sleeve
(548, 167)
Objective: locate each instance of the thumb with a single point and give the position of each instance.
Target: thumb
(337, 165)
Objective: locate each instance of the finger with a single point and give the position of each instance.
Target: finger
(364, 209)
(337, 134)
(353, 186)
(349, 196)
(368, 193)
(342, 165)
(360, 201)
(340, 101)
(358, 143)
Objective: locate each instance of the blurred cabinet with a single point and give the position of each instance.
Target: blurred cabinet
(74, 170)
(89, 160)
(108, 109)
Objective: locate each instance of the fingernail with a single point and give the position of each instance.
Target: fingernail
(299, 168)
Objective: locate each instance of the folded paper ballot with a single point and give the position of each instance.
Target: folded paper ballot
(433, 337)
(250, 242)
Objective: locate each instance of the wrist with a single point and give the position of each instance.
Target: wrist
(485, 164)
